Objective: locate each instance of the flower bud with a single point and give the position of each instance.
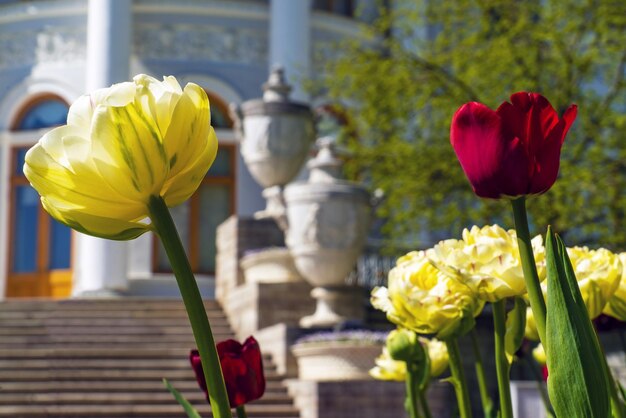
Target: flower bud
(403, 345)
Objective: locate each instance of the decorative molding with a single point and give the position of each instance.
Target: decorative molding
(200, 42)
(52, 44)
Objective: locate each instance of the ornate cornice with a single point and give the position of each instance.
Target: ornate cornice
(63, 44)
(200, 42)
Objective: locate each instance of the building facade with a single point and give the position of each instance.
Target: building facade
(53, 51)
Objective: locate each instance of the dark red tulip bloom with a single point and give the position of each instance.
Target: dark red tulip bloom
(242, 366)
(514, 150)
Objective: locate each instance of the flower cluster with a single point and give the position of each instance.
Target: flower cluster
(440, 290)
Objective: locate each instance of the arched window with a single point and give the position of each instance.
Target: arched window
(43, 111)
(39, 250)
(220, 115)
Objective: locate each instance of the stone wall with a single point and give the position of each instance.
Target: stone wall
(363, 399)
(235, 237)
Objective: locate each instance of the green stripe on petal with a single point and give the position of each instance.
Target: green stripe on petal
(180, 187)
(189, 130)
(128, 152)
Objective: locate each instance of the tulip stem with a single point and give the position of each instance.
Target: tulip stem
(480, 375)
(412, 389)
(502, 363)
(424, 402)
(163, 225)
(458, 378)
(535, 296)
(241, 412)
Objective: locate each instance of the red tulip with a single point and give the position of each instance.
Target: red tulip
(242, 367)
(514, 150)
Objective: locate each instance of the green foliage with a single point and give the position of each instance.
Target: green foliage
(418, 63)
(578, 383)
(188, 408)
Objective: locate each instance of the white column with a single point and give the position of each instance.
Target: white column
(5, 164)
(290, 41)
(100, 266)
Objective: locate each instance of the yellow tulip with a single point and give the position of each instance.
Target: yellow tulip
(616, 307)
(438, 355)
(121, 146)
(530, 331)
(598, 273)
(422, 298)
(539, 354)
(487, 260)
(388, 368)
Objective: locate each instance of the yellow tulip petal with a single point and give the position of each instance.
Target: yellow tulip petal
(81, 111)
(189, 131)
(191, 145)
(616, 307)
(97, 226)
(158, 98)
(127, 151)
(179, 188)
(59, 168)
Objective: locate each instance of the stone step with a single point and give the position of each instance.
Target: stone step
(139, 410)
(107, 358)
(104, 322)
(63, 330)
(178, 363)
(102, 374)
(126, 303)
(109, 313)
(108, 339)
(151, 351)
(90, 386)
(121, 398)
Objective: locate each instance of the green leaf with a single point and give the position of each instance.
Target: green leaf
(189, 409)
(577, 381)
(515, 325)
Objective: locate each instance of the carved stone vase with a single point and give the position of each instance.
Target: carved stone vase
(276, 135)
(328, 219)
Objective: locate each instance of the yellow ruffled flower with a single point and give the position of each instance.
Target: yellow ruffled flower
(530, 331)
(438, 355)
(539, 354)
(388, 368)
(598, 273)
(121, 146)
(422, 298)
(616, 307)
(487, 260)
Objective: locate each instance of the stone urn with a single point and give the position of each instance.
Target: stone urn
(327, 222)
(276, 135)
(269, 265)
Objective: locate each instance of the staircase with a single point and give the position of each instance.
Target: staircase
(107, 358)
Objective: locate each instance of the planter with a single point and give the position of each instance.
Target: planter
(335, 360)
(270, 265)
(328, 220)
